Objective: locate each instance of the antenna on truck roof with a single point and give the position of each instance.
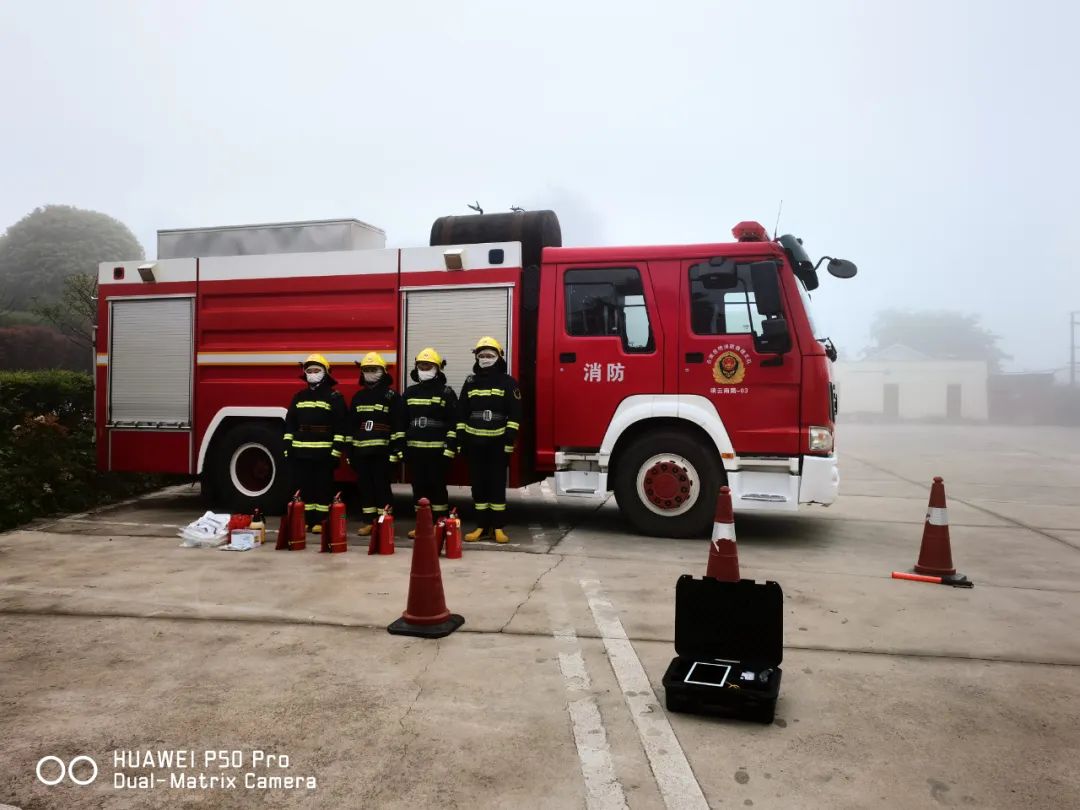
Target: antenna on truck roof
(776, 229)
(476, 207)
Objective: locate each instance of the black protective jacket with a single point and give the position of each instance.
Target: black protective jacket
(374, 425)
(429, 416)
(489, 411)
(315, 422)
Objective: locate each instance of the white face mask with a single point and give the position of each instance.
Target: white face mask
(372, 377)
(486, 360)
(426, 375)
(315, 377)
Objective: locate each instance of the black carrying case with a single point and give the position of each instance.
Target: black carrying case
(737, 626)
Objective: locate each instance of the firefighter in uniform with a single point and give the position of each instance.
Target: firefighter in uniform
(374, 437)
(315, 439)
(429, 419)
(489, 414)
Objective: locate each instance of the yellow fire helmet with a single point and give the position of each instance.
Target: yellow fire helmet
(317, 359)
(488, 343)
(372, 359)
(429, 355)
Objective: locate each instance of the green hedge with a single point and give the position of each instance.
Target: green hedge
(47, 459)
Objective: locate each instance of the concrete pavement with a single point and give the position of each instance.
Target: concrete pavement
(895, 694)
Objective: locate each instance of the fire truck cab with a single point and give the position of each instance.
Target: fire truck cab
(659, 372)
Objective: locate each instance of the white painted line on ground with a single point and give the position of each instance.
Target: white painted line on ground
(674, 777)
(603, 791)
(602, 788)
(574, 670)
(101, 521)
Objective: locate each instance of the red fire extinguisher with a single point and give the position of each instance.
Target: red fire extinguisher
(382, 538)
(297, 525)
(292, 534)
(335, 532)
(453, 536)
(440, 534)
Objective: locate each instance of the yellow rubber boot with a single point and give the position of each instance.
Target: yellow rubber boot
(501, 536)
(317, 528)
(412, 534)
(365, 530)
(474, 535)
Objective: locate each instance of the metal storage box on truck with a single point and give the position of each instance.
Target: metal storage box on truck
(284, 237)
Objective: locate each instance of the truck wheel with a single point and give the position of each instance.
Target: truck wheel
(249, 470)
(666, 484)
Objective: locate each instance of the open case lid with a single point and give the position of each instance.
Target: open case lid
(741, 621)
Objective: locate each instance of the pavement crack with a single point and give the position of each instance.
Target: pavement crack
(419, 681)
(566, 531)
(532, 590)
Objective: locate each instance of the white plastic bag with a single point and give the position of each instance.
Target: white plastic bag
(209, 531)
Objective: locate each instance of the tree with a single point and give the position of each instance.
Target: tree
(76, 313)
(940, 334)
(52, 243)
(37, 347)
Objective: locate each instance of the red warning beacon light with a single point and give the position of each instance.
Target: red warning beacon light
(750, 231)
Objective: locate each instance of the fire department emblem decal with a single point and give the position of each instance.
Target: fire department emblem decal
(729, 368)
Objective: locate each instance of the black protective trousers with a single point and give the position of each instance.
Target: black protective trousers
(427, 470)
(315, 480)
(372, 483)
(487, 472)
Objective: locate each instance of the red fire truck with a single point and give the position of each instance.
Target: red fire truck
(658, 373)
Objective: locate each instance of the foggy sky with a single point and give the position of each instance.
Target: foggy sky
(933, 143)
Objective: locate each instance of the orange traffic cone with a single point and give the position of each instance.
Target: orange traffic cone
(723, 553)
(426, 614)
(935, 554)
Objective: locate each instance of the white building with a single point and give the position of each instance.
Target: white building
(899, 383)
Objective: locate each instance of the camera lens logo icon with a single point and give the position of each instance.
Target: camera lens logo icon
(45, 769)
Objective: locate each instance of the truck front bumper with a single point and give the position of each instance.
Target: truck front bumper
(820, 481)
(780, 485)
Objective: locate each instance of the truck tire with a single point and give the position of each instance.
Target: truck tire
(666, 483)
(249, 470)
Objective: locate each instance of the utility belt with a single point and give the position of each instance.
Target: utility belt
(371, 426)
(425, 422)
(488, 416)
(314, 429)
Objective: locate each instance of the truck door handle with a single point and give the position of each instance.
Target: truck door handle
(568, 357)
(695, 357)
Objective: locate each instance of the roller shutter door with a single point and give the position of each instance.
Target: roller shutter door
(452, 321)
(150, 361)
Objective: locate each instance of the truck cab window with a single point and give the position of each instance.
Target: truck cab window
(609, 302)
(722, 300)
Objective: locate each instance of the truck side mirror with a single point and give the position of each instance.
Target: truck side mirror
(775, 337)
(766, 283)
(842, 268)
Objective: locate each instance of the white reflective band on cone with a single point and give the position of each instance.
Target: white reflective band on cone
(723, 531)
(937, 516)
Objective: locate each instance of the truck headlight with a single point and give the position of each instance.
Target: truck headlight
(821, 440)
